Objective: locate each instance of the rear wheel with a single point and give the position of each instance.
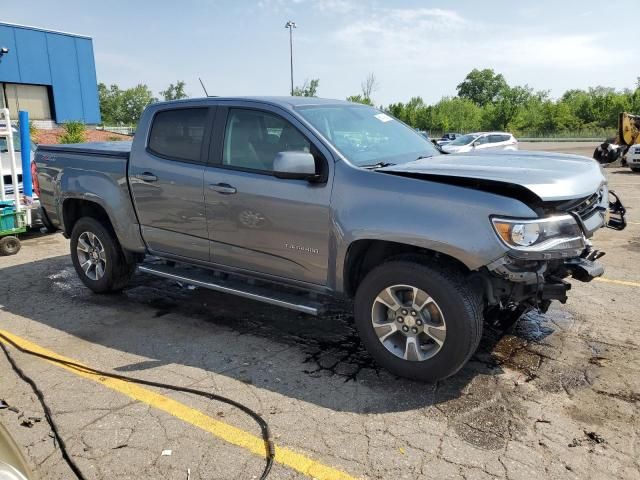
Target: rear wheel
(418, 321)
(98, 257)
(635, 169)
(9, 245)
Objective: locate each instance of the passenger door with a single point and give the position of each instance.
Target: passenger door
(481, 143)
(166, 179)
(257, 222)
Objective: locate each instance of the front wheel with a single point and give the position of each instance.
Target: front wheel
(98, 257)
(418, 321)
(9, 245)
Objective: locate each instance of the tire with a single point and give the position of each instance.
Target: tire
(457, 308)
(635, 169)
(116, 271)
(9, 245)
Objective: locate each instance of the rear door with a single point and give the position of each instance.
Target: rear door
(258, 222)
(166, 179)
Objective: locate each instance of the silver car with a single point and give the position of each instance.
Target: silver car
(482, 141)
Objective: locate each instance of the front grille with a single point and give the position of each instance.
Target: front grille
(589, 205)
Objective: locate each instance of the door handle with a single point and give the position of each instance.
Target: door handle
(147, 177)
(223, 188)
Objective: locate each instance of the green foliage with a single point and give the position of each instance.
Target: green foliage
(74, 132)
(123, 107)
(359, 99)
(482, 86)
(486, 102)
(174, 92)
(308, 88)
(454, 114)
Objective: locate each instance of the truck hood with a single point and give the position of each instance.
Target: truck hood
(549, 176)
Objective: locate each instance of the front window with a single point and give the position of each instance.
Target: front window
(253, 138)
(366, 136)
(463, 140)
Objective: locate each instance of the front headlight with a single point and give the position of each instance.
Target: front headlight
(543, 234)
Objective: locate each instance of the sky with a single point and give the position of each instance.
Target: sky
(414, 48)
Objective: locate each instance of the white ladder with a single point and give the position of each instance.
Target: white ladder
(6, 132)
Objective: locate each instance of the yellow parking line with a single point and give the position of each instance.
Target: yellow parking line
(222, 430)
(618, 282)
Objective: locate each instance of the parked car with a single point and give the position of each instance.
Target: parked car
(482, 141)
(293, 201)
(633, 158)
(447, 138)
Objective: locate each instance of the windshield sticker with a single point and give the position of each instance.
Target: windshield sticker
(383, 117)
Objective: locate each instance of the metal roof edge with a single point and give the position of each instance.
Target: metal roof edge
(46, 30)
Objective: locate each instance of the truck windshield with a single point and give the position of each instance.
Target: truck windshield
(366, 136)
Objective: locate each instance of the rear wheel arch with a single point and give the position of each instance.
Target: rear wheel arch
(73, 209)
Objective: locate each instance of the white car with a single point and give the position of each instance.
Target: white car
(633, 158)
(482, 141)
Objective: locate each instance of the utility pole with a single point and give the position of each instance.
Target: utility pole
(291, 25)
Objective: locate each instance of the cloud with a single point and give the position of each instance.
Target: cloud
(430, 38)
(557, 51)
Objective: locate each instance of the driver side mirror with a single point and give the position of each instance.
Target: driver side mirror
(295, 166)
(475, 143)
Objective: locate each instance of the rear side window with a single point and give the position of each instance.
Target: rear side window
(178, 134)
(496, 138)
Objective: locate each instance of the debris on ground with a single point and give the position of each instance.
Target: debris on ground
(30, 421)
(592, 438)
(166, 453)
(4, 405)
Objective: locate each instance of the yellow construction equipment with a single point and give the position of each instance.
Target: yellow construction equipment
(628, 135)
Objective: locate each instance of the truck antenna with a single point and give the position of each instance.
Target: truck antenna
(203, 87)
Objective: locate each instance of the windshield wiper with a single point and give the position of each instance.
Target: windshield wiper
(378, 165)
(423, 156)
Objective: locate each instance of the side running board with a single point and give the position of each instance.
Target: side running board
(205, 279)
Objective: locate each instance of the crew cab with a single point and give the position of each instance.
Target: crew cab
(294, 201)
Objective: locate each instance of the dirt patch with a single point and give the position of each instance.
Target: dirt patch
(52, 136)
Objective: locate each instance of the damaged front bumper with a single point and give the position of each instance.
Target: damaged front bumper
(516, 284)
(616, 213)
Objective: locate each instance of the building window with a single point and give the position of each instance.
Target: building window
(32, 98)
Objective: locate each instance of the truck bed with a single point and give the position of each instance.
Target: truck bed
(110, 149)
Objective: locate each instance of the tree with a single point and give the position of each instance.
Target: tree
(369, 86)
(123, 107)
(506, 107)
(359, 99)
(308, 88)
(482, 86)
(175, 92)
(455, 114)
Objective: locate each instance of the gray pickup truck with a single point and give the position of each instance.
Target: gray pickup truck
(292, 201)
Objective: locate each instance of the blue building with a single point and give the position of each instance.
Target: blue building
(50, 74)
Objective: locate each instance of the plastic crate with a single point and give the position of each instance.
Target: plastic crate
(11, 222)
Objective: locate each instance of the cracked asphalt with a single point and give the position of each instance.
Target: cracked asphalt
(557, 397)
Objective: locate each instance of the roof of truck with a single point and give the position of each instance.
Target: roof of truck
(286, 102)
